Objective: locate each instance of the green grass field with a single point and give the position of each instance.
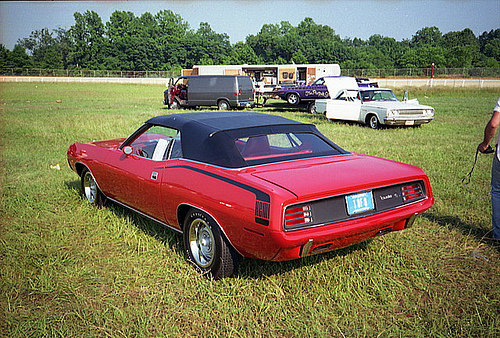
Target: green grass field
(68, 269)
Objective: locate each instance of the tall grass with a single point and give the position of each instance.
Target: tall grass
(68, 269)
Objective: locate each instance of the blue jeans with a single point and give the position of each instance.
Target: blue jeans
(495, 195)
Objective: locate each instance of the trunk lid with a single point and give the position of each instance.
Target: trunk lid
(321, 177)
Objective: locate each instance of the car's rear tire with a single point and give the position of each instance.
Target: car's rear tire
(293, 99)
(206, 247)
(90, 190)
(372, 121)
(223, 105)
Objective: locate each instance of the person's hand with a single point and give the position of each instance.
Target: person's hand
(482, 147)
(488, 150)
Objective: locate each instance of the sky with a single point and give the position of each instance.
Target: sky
(399, 19)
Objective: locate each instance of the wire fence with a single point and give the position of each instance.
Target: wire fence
(483, 72)
(86, 73)
(493, 72)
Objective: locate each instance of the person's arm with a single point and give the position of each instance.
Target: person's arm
(490, 131)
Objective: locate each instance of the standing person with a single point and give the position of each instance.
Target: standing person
(489, 133)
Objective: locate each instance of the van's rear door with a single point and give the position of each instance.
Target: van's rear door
(245, 89)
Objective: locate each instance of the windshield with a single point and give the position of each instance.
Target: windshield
(378, 95)
(318, 82)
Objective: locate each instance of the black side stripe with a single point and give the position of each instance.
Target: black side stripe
(259, 194)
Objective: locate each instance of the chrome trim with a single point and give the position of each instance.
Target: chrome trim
(411, 220)
(145, 215)
(306, 248)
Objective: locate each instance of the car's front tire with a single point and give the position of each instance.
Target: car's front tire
(206, 247)
(90, 190)
(293, 99)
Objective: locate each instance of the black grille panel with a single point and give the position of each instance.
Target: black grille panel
(334, 209)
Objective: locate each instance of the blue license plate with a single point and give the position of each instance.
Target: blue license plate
(358, 203)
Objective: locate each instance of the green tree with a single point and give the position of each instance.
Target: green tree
(19, 58)
(427, 36)
(46, 50)
(88, 43)
(422, 57)
(5, 60)
(241, 53)
(461, 48)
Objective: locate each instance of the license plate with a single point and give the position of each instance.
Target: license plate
(358, 203)
(410, 123)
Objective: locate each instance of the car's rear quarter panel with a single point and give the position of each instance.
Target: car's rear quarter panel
(229, 196)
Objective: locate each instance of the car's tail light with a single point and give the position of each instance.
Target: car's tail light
(411, 192)
(238, 92)
(298, 216)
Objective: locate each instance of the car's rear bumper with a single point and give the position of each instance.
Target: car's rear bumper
(300, 243)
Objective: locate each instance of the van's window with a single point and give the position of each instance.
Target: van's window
(213, 82)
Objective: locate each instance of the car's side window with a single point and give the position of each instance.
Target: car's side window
(156, 143)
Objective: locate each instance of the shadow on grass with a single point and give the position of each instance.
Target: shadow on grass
(248, 268)
(160, 232)
(257, 269)
(453, 222)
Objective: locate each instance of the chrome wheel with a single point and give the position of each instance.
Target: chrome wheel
(293, 99)
(201, 242)
(89, 187)
(373, 122)
(223, 105)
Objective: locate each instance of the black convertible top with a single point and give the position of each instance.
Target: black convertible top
(218, 121)
(209, 136)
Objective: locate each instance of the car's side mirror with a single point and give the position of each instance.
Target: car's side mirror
(127, 150)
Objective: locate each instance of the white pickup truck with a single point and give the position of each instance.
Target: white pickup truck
(372, 106)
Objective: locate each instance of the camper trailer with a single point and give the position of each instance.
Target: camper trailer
(271, 76)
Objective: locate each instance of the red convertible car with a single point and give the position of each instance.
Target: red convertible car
(248, 184)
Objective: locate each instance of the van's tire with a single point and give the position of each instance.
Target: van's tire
(206, 246)
(293, 99)
(223, 105)
(372, 121)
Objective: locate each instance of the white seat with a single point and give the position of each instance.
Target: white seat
(160, 149)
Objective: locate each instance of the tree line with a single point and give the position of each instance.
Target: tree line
(165, 41)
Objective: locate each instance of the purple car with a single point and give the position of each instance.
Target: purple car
(316, 90)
